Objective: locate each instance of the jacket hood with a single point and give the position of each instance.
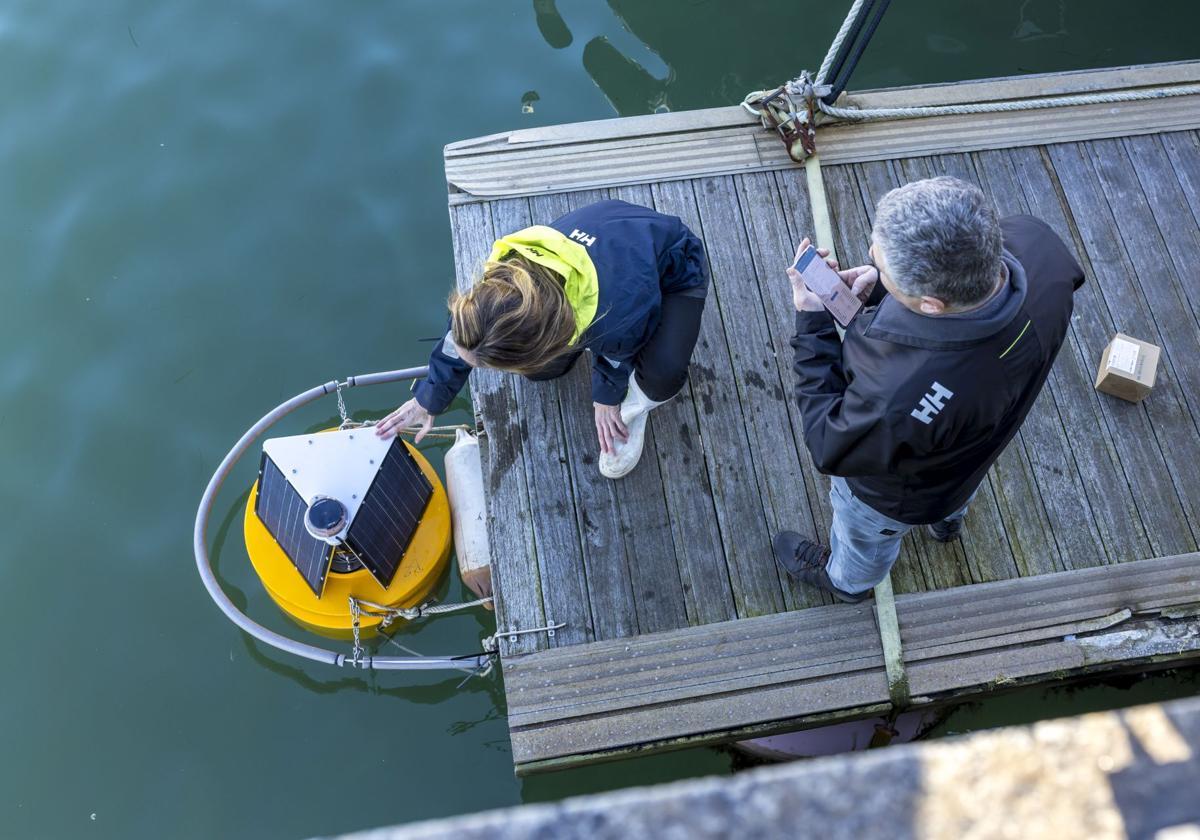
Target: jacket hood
(552, 249)
(897, 323)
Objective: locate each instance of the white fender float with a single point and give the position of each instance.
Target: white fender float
(464, 485)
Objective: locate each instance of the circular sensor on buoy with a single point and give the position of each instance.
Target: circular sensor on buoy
(325, 518)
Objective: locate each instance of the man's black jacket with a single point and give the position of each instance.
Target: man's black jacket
(913, 409)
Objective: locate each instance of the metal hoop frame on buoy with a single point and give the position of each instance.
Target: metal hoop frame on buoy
(256, 630)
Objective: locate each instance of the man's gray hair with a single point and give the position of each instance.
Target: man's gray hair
(939, 237)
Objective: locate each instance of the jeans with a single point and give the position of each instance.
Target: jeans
(863, 543)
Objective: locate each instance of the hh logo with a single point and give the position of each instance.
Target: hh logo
(932, 403)
(579, 236)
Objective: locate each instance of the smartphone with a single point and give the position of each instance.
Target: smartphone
(825, 283)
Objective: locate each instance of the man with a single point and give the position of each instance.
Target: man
(931, 382)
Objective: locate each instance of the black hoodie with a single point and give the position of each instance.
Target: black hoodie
(912, 409)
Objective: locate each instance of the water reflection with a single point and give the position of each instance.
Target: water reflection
(1038, 19)
(551, 24)
(638, 81)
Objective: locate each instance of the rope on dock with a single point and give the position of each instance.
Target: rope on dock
(390, 614)
(893, 650)
(791, 109)
(360, 607)
(1108, 97)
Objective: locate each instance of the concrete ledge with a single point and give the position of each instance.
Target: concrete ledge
(1133, 773)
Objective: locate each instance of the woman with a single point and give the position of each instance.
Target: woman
(614, 278)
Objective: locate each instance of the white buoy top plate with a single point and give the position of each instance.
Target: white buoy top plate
(339, 464)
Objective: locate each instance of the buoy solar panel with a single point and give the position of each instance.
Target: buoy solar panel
(343, 513)
(282, 511)
(389, 514)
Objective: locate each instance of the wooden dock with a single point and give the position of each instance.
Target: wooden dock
(1079, 554)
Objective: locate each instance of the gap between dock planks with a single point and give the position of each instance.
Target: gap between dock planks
(711, 683)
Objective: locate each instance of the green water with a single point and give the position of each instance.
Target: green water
(208, 207)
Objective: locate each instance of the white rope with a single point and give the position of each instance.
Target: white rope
(837, 42)
(444, 432)
(390, 614)
(1113, 97)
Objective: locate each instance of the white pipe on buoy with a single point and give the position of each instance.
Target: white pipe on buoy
(468, 513)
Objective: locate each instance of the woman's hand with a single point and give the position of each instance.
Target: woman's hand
(412, 413)
(804, 299)
(609, 426)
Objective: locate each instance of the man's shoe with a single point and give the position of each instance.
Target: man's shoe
(635, 410)
(806, 561)
(948, 530)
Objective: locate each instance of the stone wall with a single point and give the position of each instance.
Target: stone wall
(1132, 773)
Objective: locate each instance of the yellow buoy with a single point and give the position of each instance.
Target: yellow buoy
(425, 561)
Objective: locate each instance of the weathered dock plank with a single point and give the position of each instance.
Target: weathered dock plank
(1183, 148)
(759, 387)
(769, 235)
(1120, 509)
(1058, 478)
(724, 441)
(1154, 469)
(606, 566)
(517, 580)
(650, 545)
(703, 682)
(688, 495)
(1162, 180)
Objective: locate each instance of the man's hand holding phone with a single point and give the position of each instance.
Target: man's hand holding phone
(804, 299)
(816, 287)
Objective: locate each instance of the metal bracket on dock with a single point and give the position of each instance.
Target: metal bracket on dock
(512, 633)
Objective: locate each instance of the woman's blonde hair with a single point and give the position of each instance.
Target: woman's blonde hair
(516, 318)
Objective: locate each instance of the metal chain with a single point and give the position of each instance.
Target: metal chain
(355, 612)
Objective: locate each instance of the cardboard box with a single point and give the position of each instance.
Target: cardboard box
(1127, 368)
